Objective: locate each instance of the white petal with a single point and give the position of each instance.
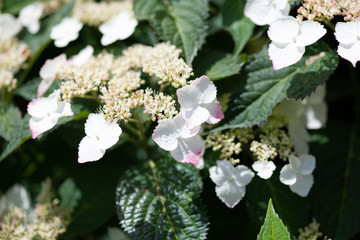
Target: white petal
(264, 169)
(188, 150)
(283, 31)
(285, 55)
(30, 16)
(217, 175)
(66, 31)
(310, 32)
(165, 135)
(242, 175)
(287, 175)
(64, 109)
(206, 88)
(215, 112)
(41, 107)
(107, 40)
(316, 116)
(350, 52)
(307, 164)
(51, 66)
(346, 33)
(89, 150)
(195, 117)
(300, 135)
(188, 97)
(83, 56)
(182, 127)
(201, 163)
(9, 26)
(40, 125)
(18, 196)
(295, 162)
(230, 193)
(303, 185)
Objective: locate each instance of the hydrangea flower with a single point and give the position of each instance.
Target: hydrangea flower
(30, 16)
(45, 112)
(230, 181)
(263, 12)
(9, 26)
(82, 57)
(348, 36)
(264, 168)
(298, 174)
(118, 28)
(66, 31)
(48, 72)
(100, 135)
(173, 135)
(198, 102)
(289, 38)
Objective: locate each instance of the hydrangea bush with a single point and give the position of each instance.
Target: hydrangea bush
(179, 119)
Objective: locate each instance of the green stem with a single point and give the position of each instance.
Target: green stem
(329, 24)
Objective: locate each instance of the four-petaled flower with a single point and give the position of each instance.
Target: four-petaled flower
(66, 31)
(184, 143)
(348, 36)
(118, 28)
(9, 26)
(30, 16)
(264, 168)
(289, 38)
(263, 12)
(298, 174)
(100, 135)
(198, 102)
(230, 181)
(48, 72)
(45, 112)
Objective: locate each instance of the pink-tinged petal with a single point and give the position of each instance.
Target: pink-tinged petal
(230, 193)
(287, 175)
(284, 56)
(303, 185)
(182, 128)
(188, 149)
(206, 88)
(283, 31)
(165, 135)
(41, 125)
(51, 66)
(44, 86)
(310, 32)
(215, 111)
(89, 150)
(195, 117)
(82, 57)
(350, 52)
(346, 33)
(64, 109)
(188, 97)
(307, 164)
(243, 175)
(41, 107)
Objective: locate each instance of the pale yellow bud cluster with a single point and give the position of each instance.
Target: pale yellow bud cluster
(13, 54)
(325, 10)
(310, 232)
(262, 151)
(51, 6)
(7, 80)
(95, 13)
(47, 222)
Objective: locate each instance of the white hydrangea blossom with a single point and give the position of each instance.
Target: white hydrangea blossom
(198, 102)
(30, 16)
(118, 28)
(298, 174)
(66, 31)
(348, 36)
(230, 181)
(173, 135)
(263, 12)
(82, 57)
(289, 38)
(9, 26)
(48, 73)
(264, 168)
(100, 135)
(45, 113)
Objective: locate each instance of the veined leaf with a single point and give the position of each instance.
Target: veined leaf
(161, 201)
(262, 87)
(182, 22)
(225, 67)
(241, 31)
(273, 228)
(10, 117)
(69, 194)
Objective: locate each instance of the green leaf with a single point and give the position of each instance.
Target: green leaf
(273, 228)
(263, 87)
(161, 201)
(10, 117)
(14, 6)
(29, 90)
(181, 22)
(241, 32)
(225, 67)
(69, 194)
(336, 188)
(232, 11)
